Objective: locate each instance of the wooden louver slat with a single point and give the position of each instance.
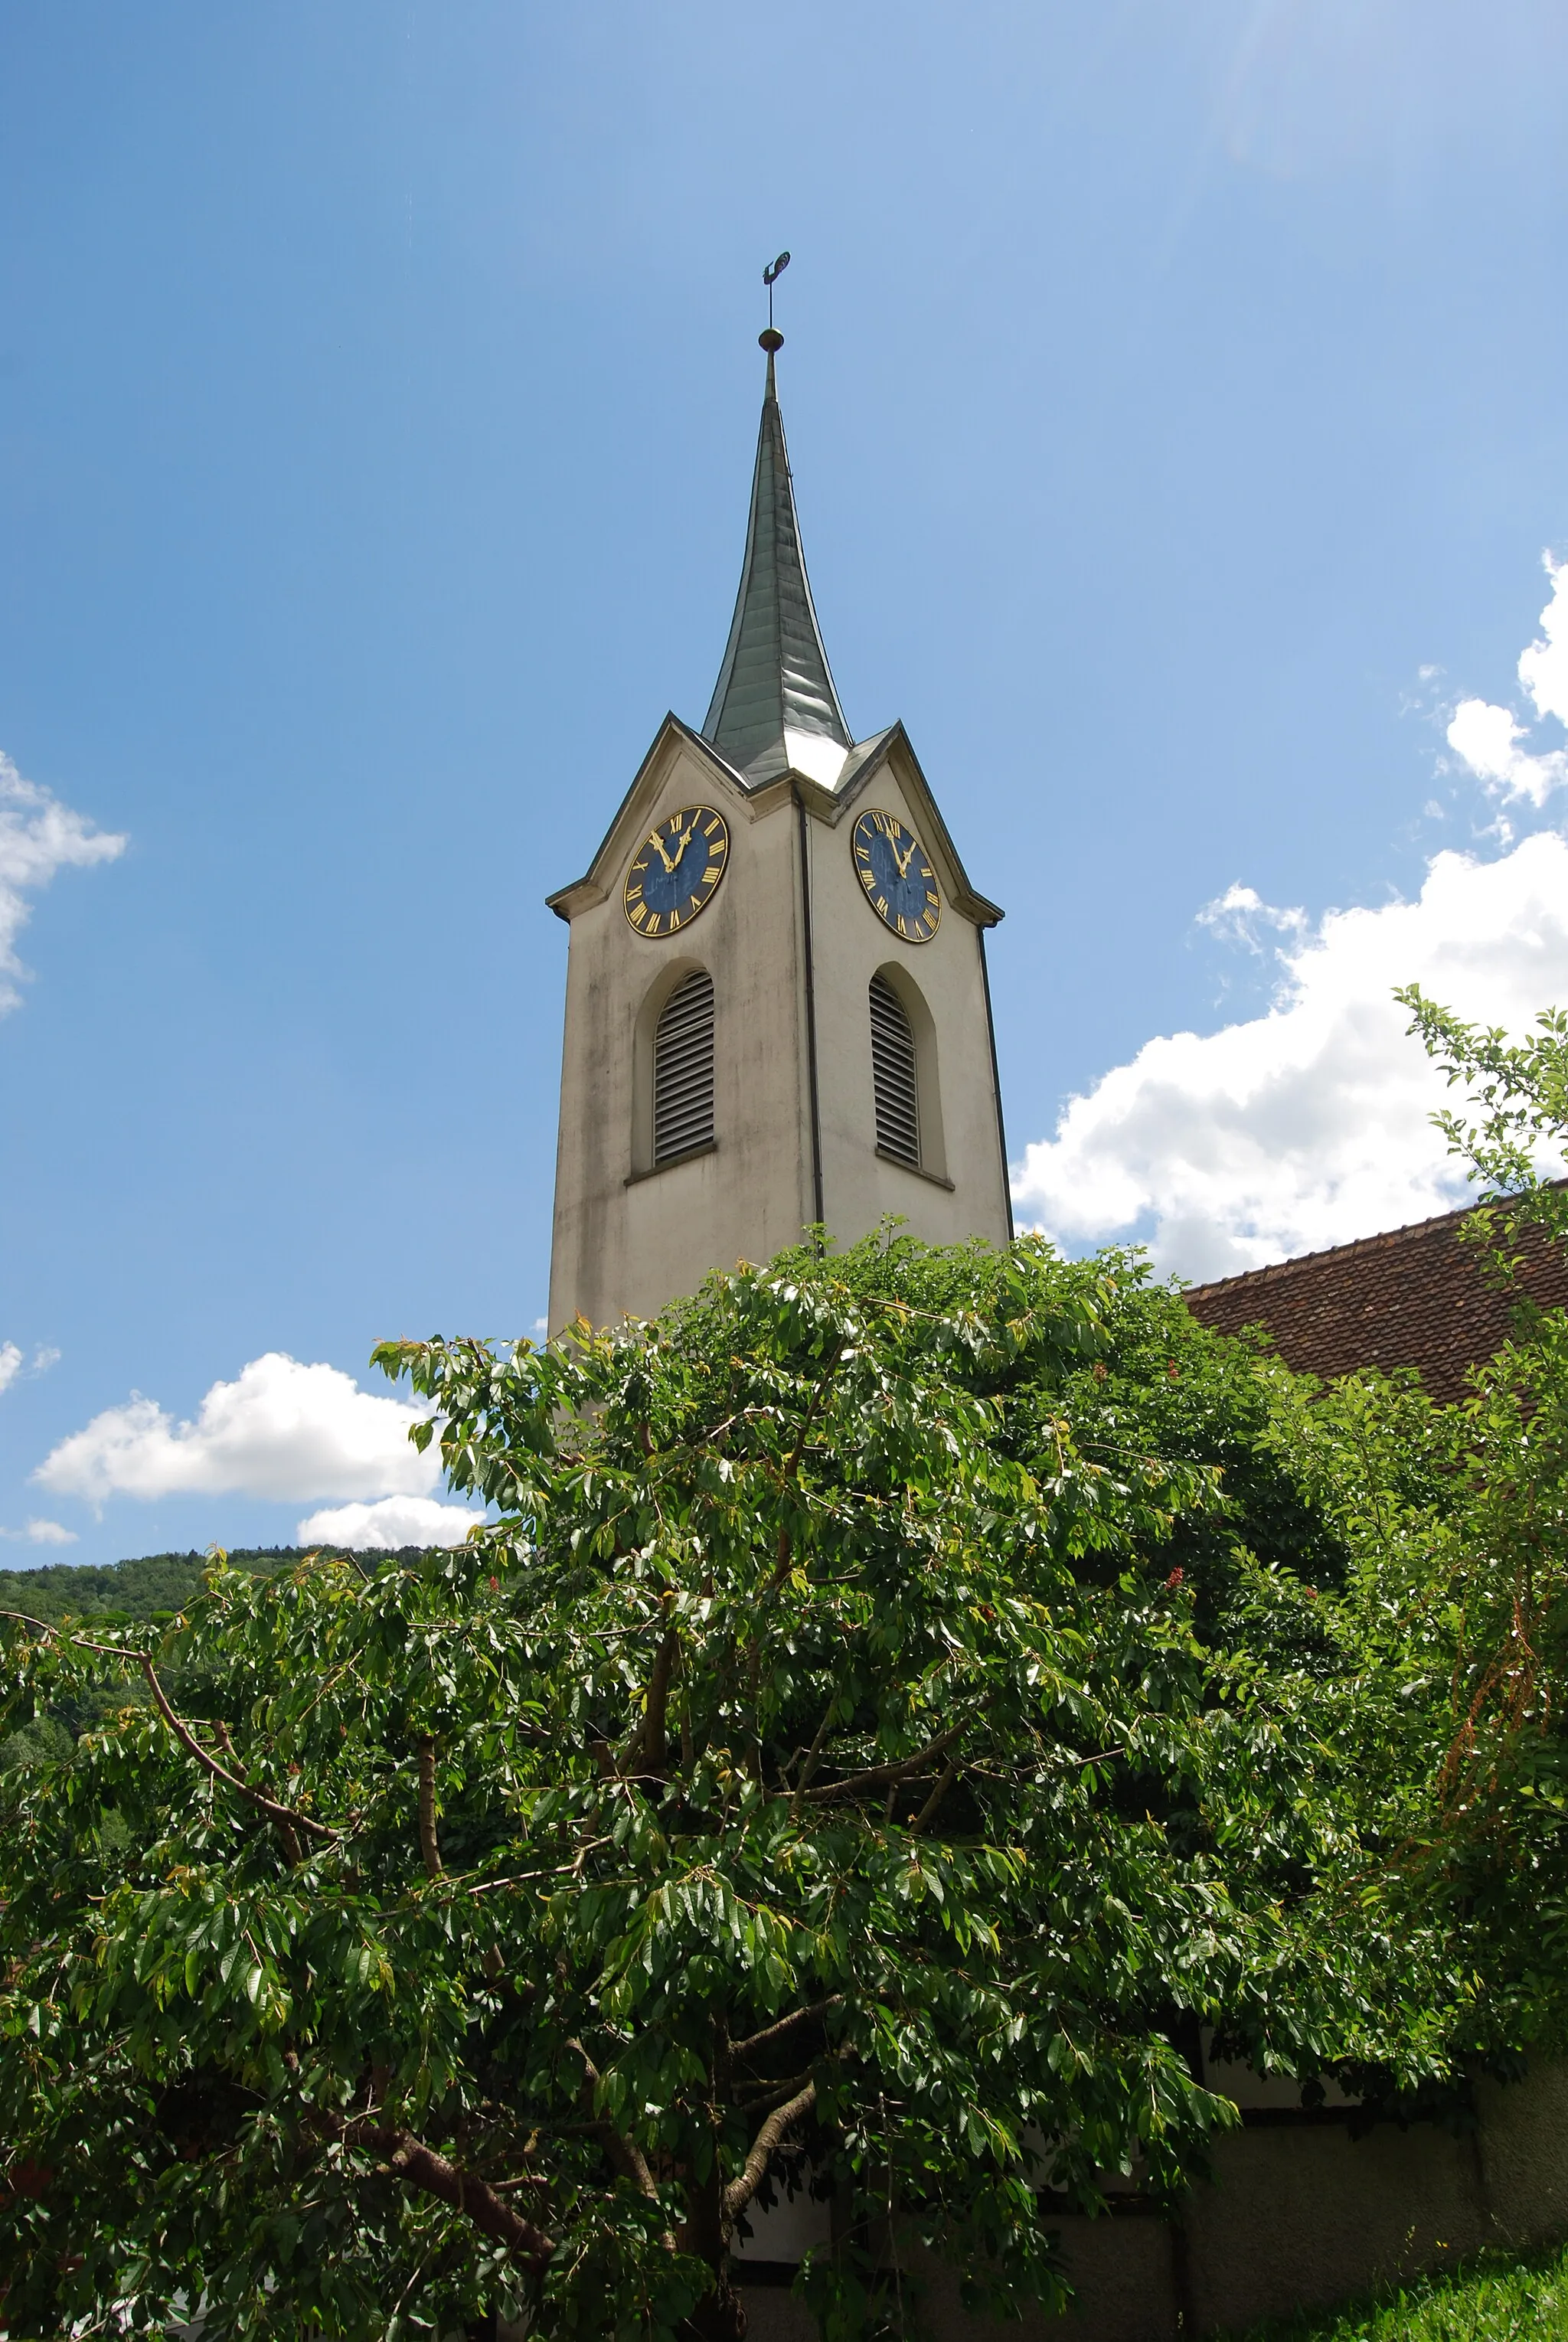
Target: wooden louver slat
(892, 1071)
(684, 1068)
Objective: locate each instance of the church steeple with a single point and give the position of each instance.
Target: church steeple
(776, 1008)
(774, 709)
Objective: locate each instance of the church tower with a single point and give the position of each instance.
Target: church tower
(778, 1011)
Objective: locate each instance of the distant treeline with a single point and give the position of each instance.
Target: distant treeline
(137, 1588)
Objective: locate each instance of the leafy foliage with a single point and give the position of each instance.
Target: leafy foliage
(1450, 1633)
(818, 1765)
(131, 1589)
(905, 1702)
(138, 1588)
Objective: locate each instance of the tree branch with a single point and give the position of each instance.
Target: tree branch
(773, 2032)
(943, 1783)
(428, 1845)
(110, 1650)
(410, 2159)
(813, 1754)
(877, 1774)
(285, 1815)
(741, 2191)
(649, 1746)
(625, 2153)
(772, 2094)
(288, 1821)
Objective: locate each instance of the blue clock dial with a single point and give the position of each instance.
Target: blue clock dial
(896, 876)
(675, 871)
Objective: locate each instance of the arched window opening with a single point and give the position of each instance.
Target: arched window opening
(894, 1077)
(683, 1069)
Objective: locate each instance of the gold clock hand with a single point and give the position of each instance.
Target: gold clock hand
(654, 839)
(904, 859)
(686, 841)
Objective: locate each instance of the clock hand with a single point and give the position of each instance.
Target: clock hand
(686, 841)
(903, 860)
(654, 839)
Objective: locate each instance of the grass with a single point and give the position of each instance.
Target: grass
(1497, 2298)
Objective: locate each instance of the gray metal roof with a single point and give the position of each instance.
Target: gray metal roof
(775, 677)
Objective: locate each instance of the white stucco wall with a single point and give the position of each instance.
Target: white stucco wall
(625, 1242)
(851, 943)
(628, 1242)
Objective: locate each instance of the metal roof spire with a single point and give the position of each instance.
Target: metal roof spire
(774, 709)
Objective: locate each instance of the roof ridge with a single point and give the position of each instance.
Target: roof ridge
(1354, 1244)
(1329, 1252)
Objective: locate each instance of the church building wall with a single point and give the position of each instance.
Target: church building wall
(962, 1190)
(629, 1238)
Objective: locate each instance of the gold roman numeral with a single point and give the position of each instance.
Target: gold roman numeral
(639, 915)
(709, 876)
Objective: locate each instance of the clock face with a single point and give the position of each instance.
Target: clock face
(676, 870)
(896, 876)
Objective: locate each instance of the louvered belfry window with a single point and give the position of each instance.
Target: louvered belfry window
(892, 1074)
(683, 1069)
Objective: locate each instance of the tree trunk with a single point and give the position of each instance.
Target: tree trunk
(718, 2317)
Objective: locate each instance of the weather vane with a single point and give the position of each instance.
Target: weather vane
(772, 340)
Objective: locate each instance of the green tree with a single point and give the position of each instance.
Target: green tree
(1449, 1627)
(866, 1749)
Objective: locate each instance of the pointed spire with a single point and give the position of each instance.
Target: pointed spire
(775, 708)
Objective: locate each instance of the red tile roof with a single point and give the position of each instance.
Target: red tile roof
(1417, 1296)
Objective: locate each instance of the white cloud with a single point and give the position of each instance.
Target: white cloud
(1544, 668)
(38, 835)
(10, 1363)
(1487, 738)
(1308, 1125)
(383, 1528)
(1236, 915)
(42, 1532)
(281, 1430)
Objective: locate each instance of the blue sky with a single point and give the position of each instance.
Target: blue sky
(1176, 399)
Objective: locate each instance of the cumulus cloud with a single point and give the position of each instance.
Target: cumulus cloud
(281, 1430)
(38, 835)
(1488, 739)
(42, 1532)
(1307, 1125)
(383, 1528)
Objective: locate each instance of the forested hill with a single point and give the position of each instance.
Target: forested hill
(131, 1589)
